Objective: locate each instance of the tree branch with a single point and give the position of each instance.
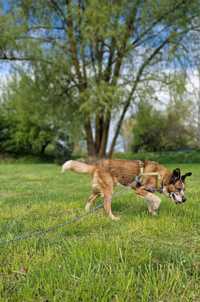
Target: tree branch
(5, 57)
(99, 55)
(46, 27)
(58, 9)
(72, 42)
(138, 40)
(122, 50)
(108, 70)
(127, 103)
(80, 12)
(93, 61)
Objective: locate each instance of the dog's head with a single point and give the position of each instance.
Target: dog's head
(175, 189)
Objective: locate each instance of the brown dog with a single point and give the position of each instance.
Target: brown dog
(145, 177)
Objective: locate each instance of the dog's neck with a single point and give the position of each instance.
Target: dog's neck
(167, 178)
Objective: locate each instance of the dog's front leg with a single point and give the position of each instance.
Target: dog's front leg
(107, 206)
(153, 201)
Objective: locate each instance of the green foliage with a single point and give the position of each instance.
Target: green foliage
(139, 258)
(156, 130)
(148, 129)
(101, 96)
(164, 157)
(34, 119)
(4, 127)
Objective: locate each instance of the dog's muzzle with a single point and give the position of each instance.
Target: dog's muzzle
(177, 198)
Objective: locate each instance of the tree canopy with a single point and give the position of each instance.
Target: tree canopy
(99, 53)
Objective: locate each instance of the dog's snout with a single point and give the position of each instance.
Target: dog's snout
(184, 199)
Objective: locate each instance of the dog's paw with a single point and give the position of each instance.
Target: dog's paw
(115, 218)
(153, 213)
(87, 207)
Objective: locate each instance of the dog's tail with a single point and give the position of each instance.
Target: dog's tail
(78, 167)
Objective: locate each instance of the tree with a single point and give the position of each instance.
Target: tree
(30, 120)
(4, 128)
(127, 133)
(104, 49)
(169, 129)
(148, 129)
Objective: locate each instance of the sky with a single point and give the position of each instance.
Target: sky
(5, 74)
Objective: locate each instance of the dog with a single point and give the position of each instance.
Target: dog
(144, 177)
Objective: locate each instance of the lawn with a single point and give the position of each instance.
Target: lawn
(139, 258)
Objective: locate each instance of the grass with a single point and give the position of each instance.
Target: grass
(139, 258)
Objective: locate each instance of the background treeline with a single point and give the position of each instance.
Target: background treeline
(33, 122)
(94, 77)
(169, 129)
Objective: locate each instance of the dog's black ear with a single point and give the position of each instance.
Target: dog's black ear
(185, 175)
(176, 174)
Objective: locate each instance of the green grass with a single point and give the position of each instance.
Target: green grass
(139, 258)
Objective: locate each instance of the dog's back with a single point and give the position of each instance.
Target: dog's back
(124, 171)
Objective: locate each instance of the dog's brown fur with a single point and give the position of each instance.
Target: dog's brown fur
(106, 174)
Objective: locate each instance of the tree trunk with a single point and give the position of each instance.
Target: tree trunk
(98, 131)
(44, 147)
(96, 148)
(89, 139)
(198, 117)
(104, 139)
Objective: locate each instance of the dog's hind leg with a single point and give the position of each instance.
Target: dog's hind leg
(153, 201)
(91, 201)
(103, 183)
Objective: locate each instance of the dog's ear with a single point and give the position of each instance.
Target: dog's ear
(176, 174)
(185, 175)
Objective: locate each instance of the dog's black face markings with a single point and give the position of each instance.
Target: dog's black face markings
(176, 188)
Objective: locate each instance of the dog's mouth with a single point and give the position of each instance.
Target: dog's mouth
(177, 198)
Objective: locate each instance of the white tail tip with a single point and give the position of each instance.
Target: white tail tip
(66, 166)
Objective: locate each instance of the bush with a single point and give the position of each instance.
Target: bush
(30, 122)
(160, 131)
(167, 157)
